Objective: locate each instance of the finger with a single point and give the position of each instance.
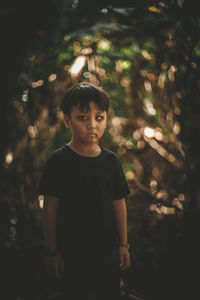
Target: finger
(121, 260)
(123, 268)
(127, 261)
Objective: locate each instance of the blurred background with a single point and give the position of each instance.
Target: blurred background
(146, 55)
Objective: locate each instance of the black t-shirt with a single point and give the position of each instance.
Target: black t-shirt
(86, 187)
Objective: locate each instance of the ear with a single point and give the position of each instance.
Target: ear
(67, 121)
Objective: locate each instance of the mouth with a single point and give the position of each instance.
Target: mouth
(92, 134)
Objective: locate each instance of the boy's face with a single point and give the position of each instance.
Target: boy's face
(87, 126)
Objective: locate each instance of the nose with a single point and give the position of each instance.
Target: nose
(91, 124)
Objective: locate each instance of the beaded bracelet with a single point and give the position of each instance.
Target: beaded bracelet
(124, 245)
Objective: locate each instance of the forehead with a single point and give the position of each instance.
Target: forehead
(91, 107)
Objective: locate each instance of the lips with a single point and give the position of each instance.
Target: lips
(92, 134)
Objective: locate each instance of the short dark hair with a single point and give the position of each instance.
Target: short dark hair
(81, 95)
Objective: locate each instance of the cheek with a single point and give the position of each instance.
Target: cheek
(102, 126)
(78, 128)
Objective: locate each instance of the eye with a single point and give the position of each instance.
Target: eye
(99, 118)
(82, 118)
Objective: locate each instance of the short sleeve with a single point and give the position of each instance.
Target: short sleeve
(120, 186)
(50, 180)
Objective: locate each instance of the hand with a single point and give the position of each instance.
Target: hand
(54, 265)
(124, 258)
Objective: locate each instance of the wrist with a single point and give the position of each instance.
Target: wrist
(124, 245)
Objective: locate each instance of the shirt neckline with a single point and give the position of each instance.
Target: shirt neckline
(86, 157)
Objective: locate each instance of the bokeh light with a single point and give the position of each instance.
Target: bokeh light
(149, 132)
(77, 65)
(9, 158)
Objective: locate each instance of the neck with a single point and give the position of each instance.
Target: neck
(85, 149)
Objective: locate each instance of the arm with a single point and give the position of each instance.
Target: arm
(54, 263)
(49, 222)
(120, 213)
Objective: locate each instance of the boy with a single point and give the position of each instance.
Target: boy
(85, 214)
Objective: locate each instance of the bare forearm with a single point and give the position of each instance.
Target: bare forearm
(120, 212)
(49, 224)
